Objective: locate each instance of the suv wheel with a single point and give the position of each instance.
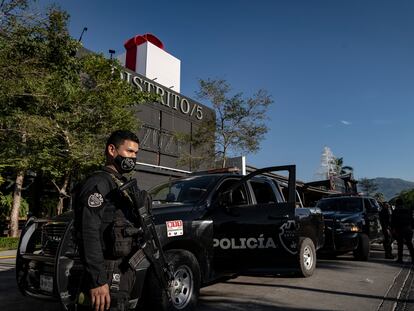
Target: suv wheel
(185, 286)
(362, 251)
(307, 257)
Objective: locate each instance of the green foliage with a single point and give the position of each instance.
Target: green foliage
(57, 109)
(339, 167)
(6, 202)
(408, 198)
(48, 206)
(8, 243)
(379, 197)
(10, 11)
(239, 126)
(2, 179)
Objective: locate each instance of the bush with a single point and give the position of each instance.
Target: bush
(8, 243)
(6, 202)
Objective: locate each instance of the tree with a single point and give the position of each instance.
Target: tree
(368, 186)
(56, 109)
(408, 198)
(379, 196)
(12, 10)
(332, 165)
(239, 126)
(12, 35)
(339, 167)
(327, 167)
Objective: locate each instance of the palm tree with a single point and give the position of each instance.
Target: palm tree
(340, 169)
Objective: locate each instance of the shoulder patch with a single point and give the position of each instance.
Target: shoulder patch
(95, 200)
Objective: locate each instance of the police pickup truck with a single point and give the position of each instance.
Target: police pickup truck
(209, 226)
(351, 224)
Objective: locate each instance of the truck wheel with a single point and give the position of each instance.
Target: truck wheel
(185, 286)
(307, 257)
(362, 251)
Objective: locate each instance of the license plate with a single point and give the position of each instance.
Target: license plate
(46, 283)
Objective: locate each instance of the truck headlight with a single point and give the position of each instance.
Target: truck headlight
(348, 227)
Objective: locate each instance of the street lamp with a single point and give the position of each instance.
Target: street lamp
(83, 31)
(111, 52)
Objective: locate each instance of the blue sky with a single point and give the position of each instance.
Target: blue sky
(341, 73)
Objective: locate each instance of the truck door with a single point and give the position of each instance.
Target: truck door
(372, 212)
(278, 221)
(256, 227)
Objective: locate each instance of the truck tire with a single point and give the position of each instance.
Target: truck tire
(307, 257)
(185, 286)
(362, 251)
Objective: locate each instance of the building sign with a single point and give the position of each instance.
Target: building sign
(168, 98)
(159, 140)
(162, 120)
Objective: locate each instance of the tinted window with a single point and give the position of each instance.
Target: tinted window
(239, 196)
(263, 192)
(374, 204)
(351, 205)
(188, 190)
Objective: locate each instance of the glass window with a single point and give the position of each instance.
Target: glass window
(239, 194)
(367, 204)
(263, 192)
(350, 205)
(188, 190)
(375, 204)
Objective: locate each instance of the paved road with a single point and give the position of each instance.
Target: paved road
(341, 284)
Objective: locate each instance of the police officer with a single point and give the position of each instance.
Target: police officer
(402, 228)
(97, 204)
(385, 220)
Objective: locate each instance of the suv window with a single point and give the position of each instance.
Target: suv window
(188, 190)
(371, 205)
(351, 205)
(374, 204)
(239, 194)
(263, 192)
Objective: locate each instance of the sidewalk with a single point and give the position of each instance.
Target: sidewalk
(8, 254)
(7, 260)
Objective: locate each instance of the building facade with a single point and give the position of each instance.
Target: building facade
(149, 68)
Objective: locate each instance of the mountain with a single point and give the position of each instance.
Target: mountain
(390, 187)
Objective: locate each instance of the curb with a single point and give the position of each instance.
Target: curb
(7, 257)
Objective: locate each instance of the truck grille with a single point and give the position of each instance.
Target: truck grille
(52, 234)
(329, 224)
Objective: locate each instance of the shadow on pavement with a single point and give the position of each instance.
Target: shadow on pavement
(12, 299)
(220, 303)
(324, 291)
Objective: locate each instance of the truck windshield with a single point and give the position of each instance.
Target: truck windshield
(348, 205)
(188, 190)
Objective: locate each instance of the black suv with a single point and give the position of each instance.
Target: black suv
(351, 224)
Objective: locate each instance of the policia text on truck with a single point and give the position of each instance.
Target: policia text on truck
(208, 225)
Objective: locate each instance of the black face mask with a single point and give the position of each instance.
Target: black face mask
(124, 164)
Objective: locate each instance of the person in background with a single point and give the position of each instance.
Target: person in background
(385, 220)
(402, 229)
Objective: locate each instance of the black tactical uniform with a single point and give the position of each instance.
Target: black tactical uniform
(402, 226)
(385, 220)
(98, 206)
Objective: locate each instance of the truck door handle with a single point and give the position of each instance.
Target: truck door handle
(271, 217)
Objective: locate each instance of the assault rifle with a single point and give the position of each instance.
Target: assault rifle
(150, 245)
